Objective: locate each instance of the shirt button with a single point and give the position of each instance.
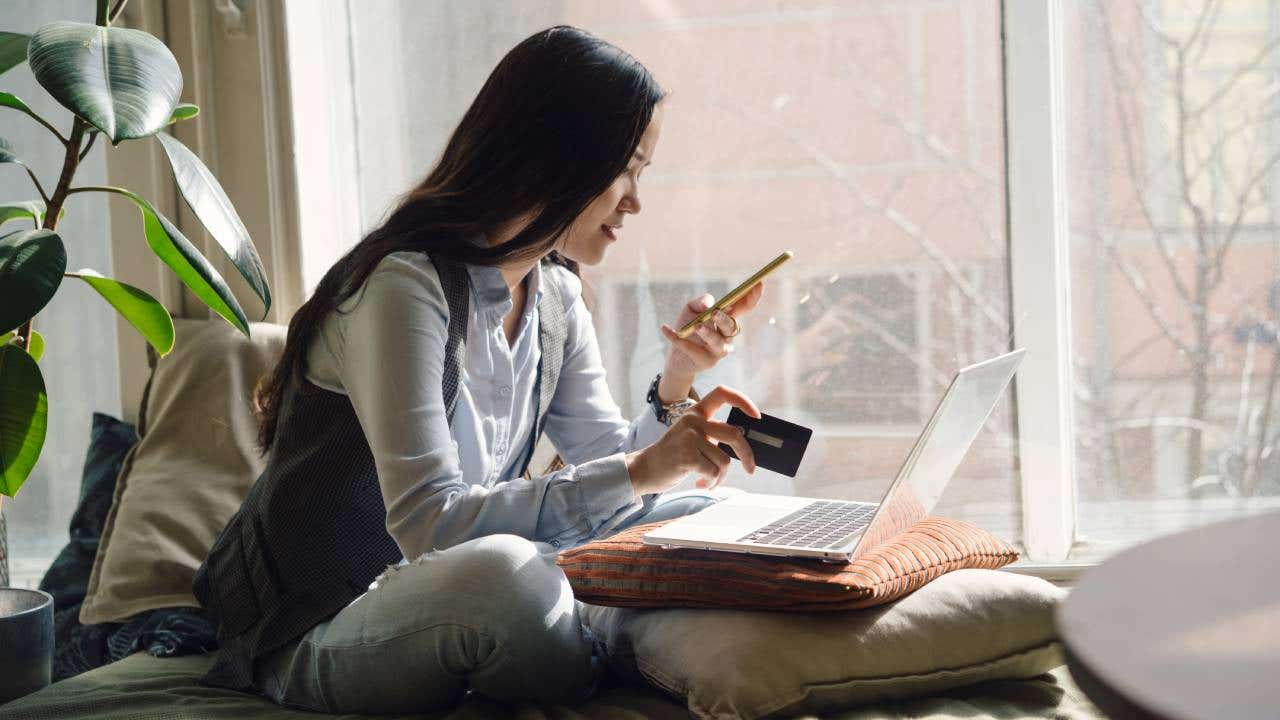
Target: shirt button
(555, 543)
(504, 391)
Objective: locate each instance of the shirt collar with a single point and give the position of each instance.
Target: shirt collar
(490, 289)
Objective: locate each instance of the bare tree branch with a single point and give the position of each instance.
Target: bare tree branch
(1131, 163)
(1184, 137)
(1166, 39)
(1251, 122)
(1139, 285)
(867, 321)
(913, 130)
(930, 248)
(1219, 257)
(1262, 55)
(988, 180)
(1205, 23)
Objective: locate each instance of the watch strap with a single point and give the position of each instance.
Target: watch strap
(669, 412)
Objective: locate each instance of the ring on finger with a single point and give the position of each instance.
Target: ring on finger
(736, 328)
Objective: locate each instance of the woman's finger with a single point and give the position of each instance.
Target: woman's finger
(720, 395)
(748, 301)
(729, 435)
(693, 348)
(703, 301)
(692, 345)
(725, 324)
(695, 306)
(713, 340)
(719, 464)
(707, 470)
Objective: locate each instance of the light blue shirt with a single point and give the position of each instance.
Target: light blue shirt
(445, 483)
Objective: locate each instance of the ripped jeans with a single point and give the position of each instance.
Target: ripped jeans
(494, 615)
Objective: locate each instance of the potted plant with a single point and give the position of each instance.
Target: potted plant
(120, 84)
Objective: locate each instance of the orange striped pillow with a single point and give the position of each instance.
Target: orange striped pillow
(622, 571)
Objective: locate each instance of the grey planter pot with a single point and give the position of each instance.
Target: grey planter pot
(26, 642)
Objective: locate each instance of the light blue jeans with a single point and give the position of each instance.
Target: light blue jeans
(494, 615)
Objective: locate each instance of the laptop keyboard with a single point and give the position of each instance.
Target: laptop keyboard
(821, 524)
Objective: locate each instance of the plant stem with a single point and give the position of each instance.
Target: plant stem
(53, 208)
(36, 181)
(48, 126)
(101, 188)
(70, 161)
(89, 145)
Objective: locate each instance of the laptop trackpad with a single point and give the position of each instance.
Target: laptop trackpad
(722, 522)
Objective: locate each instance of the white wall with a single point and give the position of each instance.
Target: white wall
(376, 88)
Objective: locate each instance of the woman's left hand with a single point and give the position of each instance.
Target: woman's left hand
(712, 340)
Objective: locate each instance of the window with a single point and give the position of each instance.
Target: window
(1170, 119)
(866, 137)
(860, 360)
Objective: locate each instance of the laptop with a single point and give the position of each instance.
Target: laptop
(839, 530)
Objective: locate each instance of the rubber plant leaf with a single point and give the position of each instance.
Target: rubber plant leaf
(124, 82)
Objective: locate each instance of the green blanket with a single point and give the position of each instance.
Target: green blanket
(142, 686)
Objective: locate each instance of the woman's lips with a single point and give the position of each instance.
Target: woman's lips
(609, 231)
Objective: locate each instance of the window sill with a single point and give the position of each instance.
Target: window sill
(1064, 575)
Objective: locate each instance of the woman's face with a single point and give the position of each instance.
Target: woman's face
(600, 224)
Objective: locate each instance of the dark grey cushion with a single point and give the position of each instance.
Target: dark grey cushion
(109, 441)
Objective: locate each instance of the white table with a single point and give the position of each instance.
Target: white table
(1184, 626)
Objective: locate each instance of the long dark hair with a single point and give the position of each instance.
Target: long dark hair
(556, 122)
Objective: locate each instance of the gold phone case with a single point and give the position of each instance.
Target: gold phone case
(734, 295)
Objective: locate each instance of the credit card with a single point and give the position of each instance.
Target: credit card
(778, 445)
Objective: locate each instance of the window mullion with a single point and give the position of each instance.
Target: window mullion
(1039, 267)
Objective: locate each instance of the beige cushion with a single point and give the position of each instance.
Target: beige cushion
(966, 626)
(189, 472)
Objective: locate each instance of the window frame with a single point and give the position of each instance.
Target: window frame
(1039, 268)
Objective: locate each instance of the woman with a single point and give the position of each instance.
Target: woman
(412, 388)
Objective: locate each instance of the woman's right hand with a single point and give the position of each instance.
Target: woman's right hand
(689, 445)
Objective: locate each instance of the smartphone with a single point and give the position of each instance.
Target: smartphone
(734, 295)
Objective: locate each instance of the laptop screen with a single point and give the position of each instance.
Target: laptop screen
(959, 417)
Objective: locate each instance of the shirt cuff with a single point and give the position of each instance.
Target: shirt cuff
(649, 429)
(606, 487)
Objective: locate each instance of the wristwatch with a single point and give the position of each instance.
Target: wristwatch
(667, 414)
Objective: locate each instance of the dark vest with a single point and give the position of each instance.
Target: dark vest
(311, 534)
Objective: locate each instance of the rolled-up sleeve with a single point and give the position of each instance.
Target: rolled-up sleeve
(391, 367)
(584, 422)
